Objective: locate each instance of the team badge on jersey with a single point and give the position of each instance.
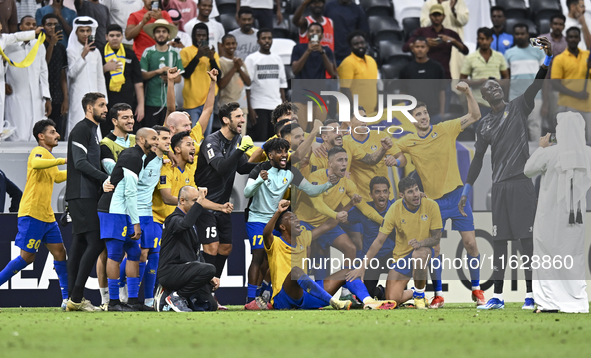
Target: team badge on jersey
(210, 153)
(284, 180)
(187, 181)
(424, 217)
(163, 179)
(374, 147)
(341, 190)
(403, 221)
(434, 135)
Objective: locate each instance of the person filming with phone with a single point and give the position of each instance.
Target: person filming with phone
(312, 60)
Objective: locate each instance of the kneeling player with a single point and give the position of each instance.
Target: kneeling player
(36, 221)
(418, 224)
(293, 287)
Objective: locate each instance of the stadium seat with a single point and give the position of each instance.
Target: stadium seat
(226, 7)
(410, 24)
(389, 50)
(407, 8)
(377, 7)
(514, 9)
(543, 25)
(282, 30)
(229, 21)
(533, 29)
(283, 48)
(384, 28)
(545, 9)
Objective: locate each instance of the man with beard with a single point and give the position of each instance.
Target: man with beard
(267, 89)
(513, 194)
(277, 175)
(120, 221)
(221, 155)
(155, 63)
(82, 194)
(359, 66)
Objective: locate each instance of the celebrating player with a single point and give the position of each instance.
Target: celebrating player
(221, 155)
(117, 213)
(433, 152)
(505, 129)
(36, 221)
(276, 175)
(418, 226)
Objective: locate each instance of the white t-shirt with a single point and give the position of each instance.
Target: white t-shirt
(575, 23)
(216, 31)
(257, 4)
(119, 11)
(267, 75)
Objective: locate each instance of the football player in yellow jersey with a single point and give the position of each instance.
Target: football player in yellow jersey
(172, 179)
(433, 152)
(287, 262)
(369, 141)
(418, 229)
(36, 221)
(332, 136)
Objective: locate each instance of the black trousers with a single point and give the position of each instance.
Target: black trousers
(265, 18)
(60, 121)
(152, 116)
(190, 280)
(263, 129)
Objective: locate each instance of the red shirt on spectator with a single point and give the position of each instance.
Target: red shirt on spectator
(327, 29)
(143, 41)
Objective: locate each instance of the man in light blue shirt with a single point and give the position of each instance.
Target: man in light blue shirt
(64, 15)
(524, 61)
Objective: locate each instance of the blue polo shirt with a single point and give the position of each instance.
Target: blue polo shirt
(502, 43)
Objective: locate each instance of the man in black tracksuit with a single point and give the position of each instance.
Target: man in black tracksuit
(82, 194)
(187, 281)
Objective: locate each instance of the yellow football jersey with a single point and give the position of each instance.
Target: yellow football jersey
(283, 257)
(42, 172)
(411, 225)
(435, 157)
(317, 210)
(173, 179)
(362, 173)
(354, 152)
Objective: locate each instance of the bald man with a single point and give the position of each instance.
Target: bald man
(188, 282)
(118, 212)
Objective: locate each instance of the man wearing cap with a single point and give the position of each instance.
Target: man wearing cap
(155, 63)
(135, 26)
(439, 39)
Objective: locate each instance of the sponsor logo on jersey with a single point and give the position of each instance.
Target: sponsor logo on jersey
(38, 155)
(494, 231)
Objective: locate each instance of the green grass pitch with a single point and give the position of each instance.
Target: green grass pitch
(457, 330)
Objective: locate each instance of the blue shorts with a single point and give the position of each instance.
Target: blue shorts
(448, 205)
(115, 226)
(32, 233)
(357, 227)
(307, 302)
(254, 231)
(151, 234)
(328, 237)
(116, 247)
(404, 265)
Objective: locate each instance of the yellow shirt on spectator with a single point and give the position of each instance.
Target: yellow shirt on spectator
(197, 86)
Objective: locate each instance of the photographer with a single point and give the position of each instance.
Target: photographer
(197, 60)
(188, 281)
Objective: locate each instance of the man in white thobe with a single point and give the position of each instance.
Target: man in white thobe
(5, 40)
(30, 100)
(559, 227)
(85, 68)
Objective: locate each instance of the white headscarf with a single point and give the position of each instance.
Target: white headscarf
(573, 162)
(81, 21)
